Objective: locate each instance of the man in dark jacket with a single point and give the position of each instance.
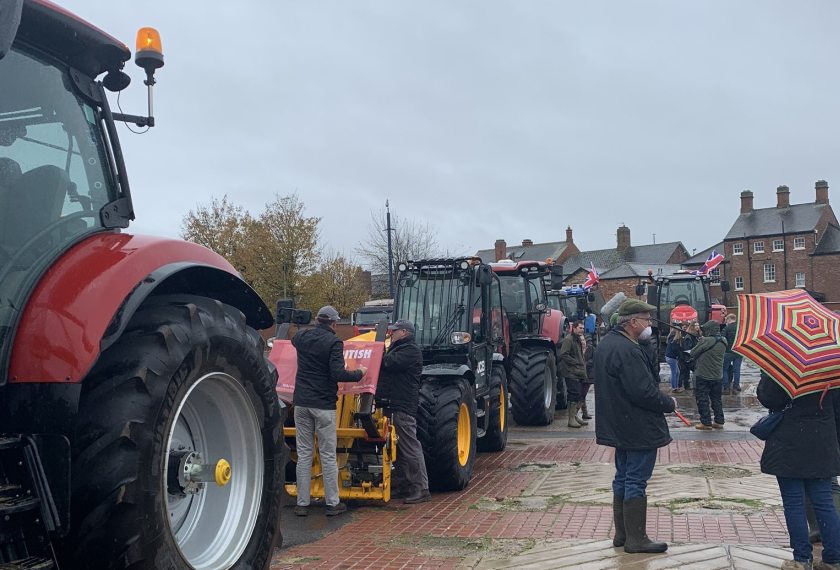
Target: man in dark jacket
(573, 369)
(320, 367)
(731, 360)
(708, 376)
(630, 418)
(399, 388)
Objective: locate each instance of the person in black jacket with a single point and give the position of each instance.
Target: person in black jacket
(631, 419)
(320, 367)
(399, 389)
(803, 453)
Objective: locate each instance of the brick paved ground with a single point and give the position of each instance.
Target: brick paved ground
(459, 528)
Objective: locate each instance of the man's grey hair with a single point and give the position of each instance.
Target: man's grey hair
(624, 319)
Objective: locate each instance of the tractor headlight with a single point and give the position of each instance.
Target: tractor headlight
(465, 265)
(460, 337)
(402, 266)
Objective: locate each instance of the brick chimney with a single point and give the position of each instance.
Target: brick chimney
(569, 235)
(822, 191)
(501, 249)
(527, 242)
(783, 197)
(623, 238)
(746, 202)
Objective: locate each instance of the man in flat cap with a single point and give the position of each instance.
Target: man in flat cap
(320, 360)
(630, 419)
(399, 390)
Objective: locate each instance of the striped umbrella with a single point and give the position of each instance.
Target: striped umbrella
(792, 338)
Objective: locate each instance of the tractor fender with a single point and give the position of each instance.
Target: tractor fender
(552, 325)
(443, 369)
(85, 300)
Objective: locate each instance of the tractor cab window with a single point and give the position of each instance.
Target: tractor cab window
(55, 174)
(686, 292)
(436, 302)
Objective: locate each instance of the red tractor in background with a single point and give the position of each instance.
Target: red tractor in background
(535, 331)
(139, 424)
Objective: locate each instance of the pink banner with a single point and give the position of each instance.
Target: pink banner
(356, 353)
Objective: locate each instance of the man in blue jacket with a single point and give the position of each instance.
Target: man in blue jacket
(320, 360)
(631, 419)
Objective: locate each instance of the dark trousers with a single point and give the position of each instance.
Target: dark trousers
(410, 466)
(793, 493)
(633, 469)
(685, 375)
(706, 391)
(584, 390)
(572, 390)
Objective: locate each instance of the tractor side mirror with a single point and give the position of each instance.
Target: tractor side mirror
(640, 289)
(485, 275)
(653, 295)
(556, 277)
(724, 286)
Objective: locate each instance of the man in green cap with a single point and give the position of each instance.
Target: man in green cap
(630, 419)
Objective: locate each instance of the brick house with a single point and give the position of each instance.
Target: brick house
(783, 247)
(559, 251)
(622, 268)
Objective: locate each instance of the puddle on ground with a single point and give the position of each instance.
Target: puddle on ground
(716, 505)
(457, 547)
(519, 504)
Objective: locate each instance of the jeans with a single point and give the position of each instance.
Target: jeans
(685, 375)
(793, 501)
(633, 469)
(310, 422)
(675, 372)
(732, 369)
(706, 391)
(410, 468)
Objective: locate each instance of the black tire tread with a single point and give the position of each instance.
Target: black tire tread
(495, 438)
(527, 387)
(437, 430)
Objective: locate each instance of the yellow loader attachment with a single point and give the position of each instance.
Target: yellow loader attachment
(366, 446)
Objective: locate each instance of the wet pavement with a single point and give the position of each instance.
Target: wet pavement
(545, 502)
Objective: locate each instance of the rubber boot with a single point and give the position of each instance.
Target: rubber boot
(580, 418)
(585, 412)
(635, 521)
(572, 412)
(618, 519)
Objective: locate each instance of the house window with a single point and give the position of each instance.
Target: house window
(769, 273)
(799, 243)
(737, 249)
(739, 283)
(778, 245)
(714, 276)
(758, 247)
(800, 279)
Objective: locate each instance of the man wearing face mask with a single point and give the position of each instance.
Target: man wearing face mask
(630, 419)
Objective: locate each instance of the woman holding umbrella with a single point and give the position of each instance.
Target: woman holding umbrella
(803, 454)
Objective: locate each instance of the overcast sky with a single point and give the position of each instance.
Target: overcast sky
(487, 119)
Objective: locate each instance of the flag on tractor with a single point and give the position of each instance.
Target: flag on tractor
(713, 261)
(592, 278)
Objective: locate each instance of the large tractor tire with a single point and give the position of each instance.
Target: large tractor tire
(446, 428)
(495, 438)
(533, 386)
(187, 385)
(562, 401)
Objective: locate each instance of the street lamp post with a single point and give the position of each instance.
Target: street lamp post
(390, 252)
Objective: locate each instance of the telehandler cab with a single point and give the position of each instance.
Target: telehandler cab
(139, 426)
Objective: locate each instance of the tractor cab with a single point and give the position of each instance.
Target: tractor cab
(57, 172)
(524, 296)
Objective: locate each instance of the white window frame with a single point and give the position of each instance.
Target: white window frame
(741, 281)
(758, 247)
(714, 277)
(796, 277)
(798, 240)
(770, 268)
(780, 243)
(737, 248)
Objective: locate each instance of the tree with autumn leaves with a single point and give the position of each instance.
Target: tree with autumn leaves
(277, 252)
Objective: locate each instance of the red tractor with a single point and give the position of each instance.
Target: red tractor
(139, 425)
(535, 331)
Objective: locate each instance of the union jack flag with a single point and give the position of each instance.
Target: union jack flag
(713, 261)
(592, 278)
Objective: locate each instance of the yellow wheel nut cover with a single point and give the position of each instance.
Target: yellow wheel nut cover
(223, 473)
